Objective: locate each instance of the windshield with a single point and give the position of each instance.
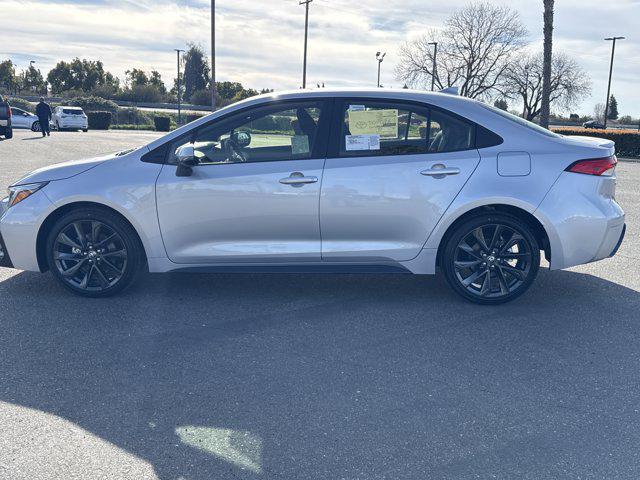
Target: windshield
(520, 121)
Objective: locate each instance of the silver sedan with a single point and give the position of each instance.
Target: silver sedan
(326, 181)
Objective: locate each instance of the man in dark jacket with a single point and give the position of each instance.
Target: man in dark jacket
(43, 111)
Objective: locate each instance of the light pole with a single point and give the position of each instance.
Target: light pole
(525, 96)
(306, 36)
(179, 85)
(213, 55)
(380, 58)
(613, 51)
(433, 68)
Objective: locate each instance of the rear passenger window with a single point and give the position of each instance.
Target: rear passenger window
(448, 133)
(381, 128)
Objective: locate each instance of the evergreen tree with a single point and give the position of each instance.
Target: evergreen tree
(613, 109)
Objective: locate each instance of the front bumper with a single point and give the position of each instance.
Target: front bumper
(5, 260)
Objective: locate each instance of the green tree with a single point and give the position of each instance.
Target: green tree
(82, 75)
(32, 80)
(613, 108)
(196, 70)
(8, 80)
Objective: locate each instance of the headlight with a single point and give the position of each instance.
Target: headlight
(18, 193)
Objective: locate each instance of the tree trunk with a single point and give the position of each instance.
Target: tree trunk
(546, 71)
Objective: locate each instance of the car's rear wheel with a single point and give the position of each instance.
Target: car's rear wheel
(94, 252)
(35, 127)
(491, 258)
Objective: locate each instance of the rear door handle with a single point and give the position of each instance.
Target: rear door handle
(440, 171)
(297, 179)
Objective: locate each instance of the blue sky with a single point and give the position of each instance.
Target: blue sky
(260, 42)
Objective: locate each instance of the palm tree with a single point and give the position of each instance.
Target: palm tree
(546, 71)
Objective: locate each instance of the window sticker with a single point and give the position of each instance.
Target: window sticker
(381, 122)
(300, 145)
(362, 142)
(356, 108)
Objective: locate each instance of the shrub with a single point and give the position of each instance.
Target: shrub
(132, 116)
(191, 117)
(93, 104)
(99, 120)
(23, 104)
(162, 124)
(201, 97)
(627, 141)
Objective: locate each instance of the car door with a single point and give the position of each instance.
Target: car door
(253, 197)
(393, 169)
(19, 118)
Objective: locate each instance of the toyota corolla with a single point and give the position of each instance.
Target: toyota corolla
(326, 181)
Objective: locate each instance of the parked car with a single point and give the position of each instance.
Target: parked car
(593, 124)
(69, 118)
(6, 129)
(326, 181)
(23, 119)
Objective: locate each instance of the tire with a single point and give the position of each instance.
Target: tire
(8, 133)
(35, 127)
(85, 130)
(94, 252)
(490, 269)
(58, 126)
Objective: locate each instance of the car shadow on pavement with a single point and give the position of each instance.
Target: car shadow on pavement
(321, 376)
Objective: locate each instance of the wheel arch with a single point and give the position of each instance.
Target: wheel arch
(530, 219)
(56, 214)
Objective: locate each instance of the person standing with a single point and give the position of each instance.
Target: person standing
(43, 111)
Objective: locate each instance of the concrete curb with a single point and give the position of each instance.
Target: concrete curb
(630, 160)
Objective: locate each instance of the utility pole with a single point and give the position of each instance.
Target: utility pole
(433, 69)
(306, 36)
(380, 59)
(613, 51)
(179, 86)
(213, 55)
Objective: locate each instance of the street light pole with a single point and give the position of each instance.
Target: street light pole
(613, 51)
(306, 36)
(380, 58)
(179, 85)
(213, 55)
(433, 69)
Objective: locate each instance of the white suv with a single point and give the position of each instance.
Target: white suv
(69, 118)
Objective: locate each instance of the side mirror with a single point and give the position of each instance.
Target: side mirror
(186, 160)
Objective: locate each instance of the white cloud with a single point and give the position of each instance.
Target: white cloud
(260, 43)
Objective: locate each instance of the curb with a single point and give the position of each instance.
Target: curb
(630, 160)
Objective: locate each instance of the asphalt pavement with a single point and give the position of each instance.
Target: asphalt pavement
(325, 377)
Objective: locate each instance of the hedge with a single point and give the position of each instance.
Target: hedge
(627, 141)
(99, 120)
(93, 104)
(162, 124)
(20, 103)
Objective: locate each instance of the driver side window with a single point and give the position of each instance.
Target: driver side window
(287, 132)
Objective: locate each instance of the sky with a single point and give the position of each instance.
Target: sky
(260, 42)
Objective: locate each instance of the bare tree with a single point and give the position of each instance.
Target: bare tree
(524, 80)
(474, 50)
(546, 73)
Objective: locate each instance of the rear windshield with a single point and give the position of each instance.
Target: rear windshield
(72, 111)
(521, 121)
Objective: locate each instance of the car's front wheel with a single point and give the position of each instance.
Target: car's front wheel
(491, 258)
(94, 252)
(35, 127)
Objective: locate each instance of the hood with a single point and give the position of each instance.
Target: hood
(60, 171)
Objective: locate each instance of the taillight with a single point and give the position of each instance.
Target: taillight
(10, 113)
(594, 166)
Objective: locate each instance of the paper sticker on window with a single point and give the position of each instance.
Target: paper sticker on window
(300, 145)
(362, 142)
(356, 108)
(381, 122)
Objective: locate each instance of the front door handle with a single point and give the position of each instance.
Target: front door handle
(297, 179)
(440, 171)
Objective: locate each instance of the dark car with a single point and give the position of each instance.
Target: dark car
(5, 119)
(593, 124)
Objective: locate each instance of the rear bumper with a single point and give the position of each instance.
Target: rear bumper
(617, 247)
